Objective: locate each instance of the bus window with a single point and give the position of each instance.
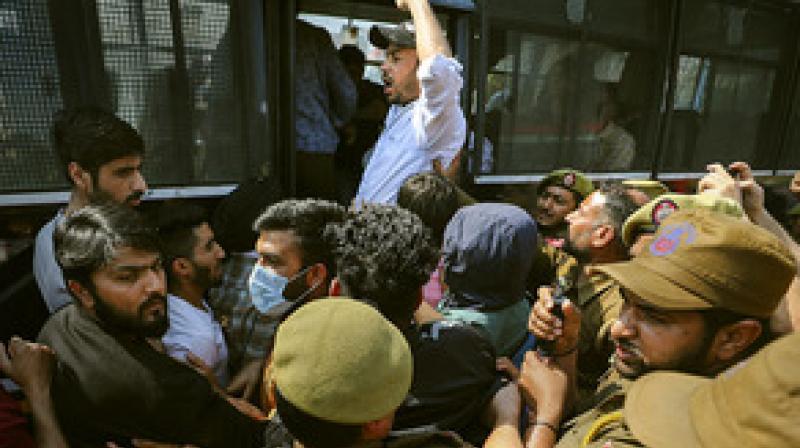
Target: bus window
(557, 99)
(723, 98)
(188, 117)
(30, 94)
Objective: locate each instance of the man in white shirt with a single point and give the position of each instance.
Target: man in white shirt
(425, 127)
(193, 263)
(102, 157)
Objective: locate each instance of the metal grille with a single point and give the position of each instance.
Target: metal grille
(218, 149)
(189, 117)
(29, 96)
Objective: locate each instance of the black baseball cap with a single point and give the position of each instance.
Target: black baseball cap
(402, 35)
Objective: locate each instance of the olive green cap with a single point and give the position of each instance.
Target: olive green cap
(795, 211)
(652, 188)
(341, 361)
(700, 259)
(756, 404)
(649, 216)
(570, 179)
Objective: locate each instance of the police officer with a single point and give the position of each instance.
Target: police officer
(697, 301)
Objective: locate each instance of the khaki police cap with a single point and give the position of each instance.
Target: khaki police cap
(755, 405)
(570, 179)
(700, 259)
(649, 216)
(652, 188)
(341, 361)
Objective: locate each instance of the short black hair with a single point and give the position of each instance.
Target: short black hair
(89, 238)
(92, 137)
(234, 216)
(384, 255)
(431, 197)
(617, 208)
(176, 221)
(314, 432)
(307, 218)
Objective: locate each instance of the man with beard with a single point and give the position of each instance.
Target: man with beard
(425, 127)
(697, 301)
(112, 383)
(558, 195)
(595, 236)
(102, 158)
(193, 263)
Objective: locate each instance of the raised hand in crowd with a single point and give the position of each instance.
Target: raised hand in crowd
(504, 414)
(30, 365)
(744, 189)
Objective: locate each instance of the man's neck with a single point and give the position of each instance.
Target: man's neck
(190, 293)
(77, 200)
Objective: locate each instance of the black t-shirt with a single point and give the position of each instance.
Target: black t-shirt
(454, 378)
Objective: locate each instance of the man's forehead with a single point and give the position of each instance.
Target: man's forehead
(130, 161)
(126, 257)
(394, 49)
(596, 199)
(277, 240)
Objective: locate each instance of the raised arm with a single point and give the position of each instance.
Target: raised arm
(430, 37)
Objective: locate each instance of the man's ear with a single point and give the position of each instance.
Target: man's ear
(377, 429)
(181, 267)
(79, 176)
(602, 236)
(731, 340)
(317, 275)
(81, 294)
(335, 288)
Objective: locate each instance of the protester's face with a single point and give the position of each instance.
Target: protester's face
(279, 251)
(207, 258)
(400, 83)
(583, 222)
(641, 243)
(647, 339)
(553, 204)
(121, 181)
(130, 293)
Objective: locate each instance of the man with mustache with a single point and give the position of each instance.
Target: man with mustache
(425, 127)
(102, 158)
(697, 301)
(193, 264)
(112, 382)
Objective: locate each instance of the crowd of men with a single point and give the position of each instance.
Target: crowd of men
(612, 315)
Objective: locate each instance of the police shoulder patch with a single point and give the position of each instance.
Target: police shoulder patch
(662, 210)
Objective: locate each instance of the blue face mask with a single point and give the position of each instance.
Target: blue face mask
(266, 287)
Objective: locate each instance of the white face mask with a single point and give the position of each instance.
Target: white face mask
(267, 288)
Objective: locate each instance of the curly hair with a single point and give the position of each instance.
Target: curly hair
(384, 255)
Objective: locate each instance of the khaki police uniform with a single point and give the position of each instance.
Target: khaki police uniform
(603, 425)
(600, 301)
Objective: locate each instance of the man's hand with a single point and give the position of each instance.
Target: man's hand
(544, 386)
(752, 192)
(506, 406)
(28, 364)
(719, 182)
(794, 186)
(544, 325)
(504, 364)
(245, 382)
